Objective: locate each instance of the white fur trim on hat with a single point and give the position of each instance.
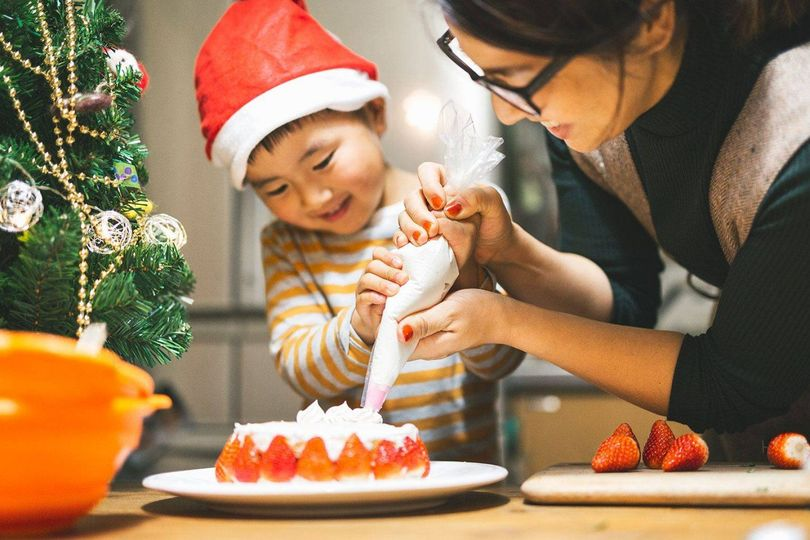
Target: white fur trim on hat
(340, 89)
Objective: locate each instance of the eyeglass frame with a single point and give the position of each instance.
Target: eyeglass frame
(526, 92)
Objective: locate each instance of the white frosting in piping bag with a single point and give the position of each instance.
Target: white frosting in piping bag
(431, 270)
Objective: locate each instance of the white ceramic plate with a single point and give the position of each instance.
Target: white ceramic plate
(314, 499)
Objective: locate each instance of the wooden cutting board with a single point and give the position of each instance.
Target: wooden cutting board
(713, 485)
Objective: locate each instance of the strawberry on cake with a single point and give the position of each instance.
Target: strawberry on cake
(339, 444)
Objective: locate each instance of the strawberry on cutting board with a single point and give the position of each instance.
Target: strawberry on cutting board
(625, 429)
(788, 451)
(617, 453)
(687, 453)
(657, 445)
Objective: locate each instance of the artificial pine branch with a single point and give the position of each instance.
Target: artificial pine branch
(38, 289)
(142, 300)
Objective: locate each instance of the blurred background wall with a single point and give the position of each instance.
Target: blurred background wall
(228, 375)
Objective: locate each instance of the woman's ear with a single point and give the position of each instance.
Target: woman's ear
(657, 29)
(375, 110)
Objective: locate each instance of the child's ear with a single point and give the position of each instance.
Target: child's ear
(376, 115)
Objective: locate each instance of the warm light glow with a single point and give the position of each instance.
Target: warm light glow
(7, 407)
(422, 110)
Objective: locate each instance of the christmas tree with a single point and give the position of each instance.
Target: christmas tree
(79, 242)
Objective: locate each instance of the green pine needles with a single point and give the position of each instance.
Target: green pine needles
(145, 283)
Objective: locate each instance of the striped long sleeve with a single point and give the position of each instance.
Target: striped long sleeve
(317, 353)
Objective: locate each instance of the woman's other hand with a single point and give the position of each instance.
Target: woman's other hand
(453, 325)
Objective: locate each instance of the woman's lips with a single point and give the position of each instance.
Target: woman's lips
(561, 131)
(338, 212)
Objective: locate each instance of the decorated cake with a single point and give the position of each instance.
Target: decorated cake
(339, 444)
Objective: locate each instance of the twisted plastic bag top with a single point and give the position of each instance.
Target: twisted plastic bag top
(468, 157)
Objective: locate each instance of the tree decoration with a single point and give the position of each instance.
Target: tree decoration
(164, 229)
(20, 206)
(111, 232)
(74, 246)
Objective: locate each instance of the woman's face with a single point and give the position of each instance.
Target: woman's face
(583, 104)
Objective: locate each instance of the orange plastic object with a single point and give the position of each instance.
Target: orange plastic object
(68, 420)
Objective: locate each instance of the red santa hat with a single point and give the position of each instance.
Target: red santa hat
(267, 63)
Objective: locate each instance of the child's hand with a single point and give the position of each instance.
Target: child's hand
(383, 278)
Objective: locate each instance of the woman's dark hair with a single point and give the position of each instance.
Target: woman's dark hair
(564, 27)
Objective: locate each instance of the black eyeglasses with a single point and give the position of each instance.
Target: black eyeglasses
(519, 97)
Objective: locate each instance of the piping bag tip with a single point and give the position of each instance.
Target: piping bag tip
(375, 395)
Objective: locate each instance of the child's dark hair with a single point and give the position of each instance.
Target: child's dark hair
(566, 27)
(280, 133)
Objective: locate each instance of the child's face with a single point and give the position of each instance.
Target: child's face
(328, 175)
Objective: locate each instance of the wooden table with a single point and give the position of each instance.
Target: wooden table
(486, 514)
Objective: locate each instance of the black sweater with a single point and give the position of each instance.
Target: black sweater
(754, 361)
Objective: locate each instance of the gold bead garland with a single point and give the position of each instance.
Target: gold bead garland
(61, 171)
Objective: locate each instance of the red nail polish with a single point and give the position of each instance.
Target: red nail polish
(453, 210)
(416, 235)
(436, 202)
(427, 225)
(407, 332)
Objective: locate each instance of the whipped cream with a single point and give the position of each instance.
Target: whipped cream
(334, 426)
(340, 414)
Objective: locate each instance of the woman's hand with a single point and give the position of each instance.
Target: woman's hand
(454, 324)
(481, 205)
(383, 278)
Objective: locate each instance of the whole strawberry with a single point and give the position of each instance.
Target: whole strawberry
(788, 451)
(625, 429)
(687, 453)
(617, 453)
(657, 445)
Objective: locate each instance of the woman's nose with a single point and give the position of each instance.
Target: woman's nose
(507, 113)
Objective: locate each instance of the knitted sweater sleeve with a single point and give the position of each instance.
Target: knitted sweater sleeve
(596, 225)
(753, 362)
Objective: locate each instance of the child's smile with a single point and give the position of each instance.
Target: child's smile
(328, 174)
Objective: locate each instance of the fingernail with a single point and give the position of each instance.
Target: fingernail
(416, 235)
(436, 202)
(392, 289)
(397, 261)
(407, 332)
(427, 225)
(453, 209)
(401, 278)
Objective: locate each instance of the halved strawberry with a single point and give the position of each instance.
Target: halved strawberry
(246, 463)
(387, 461)
(415, 457)
(687, 453)
(279, 463)
(625, 429)
(314, 463)
(788, 451)
(617, 453)
(354, 462)
(224, 465)
(657, 445)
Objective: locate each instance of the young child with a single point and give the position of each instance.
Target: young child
(290, 111)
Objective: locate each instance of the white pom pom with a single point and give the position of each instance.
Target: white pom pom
(120, 60)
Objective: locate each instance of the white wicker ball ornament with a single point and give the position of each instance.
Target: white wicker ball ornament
(20, 206)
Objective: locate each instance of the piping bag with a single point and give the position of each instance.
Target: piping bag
(431, 267)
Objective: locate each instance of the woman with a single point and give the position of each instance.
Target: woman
(674, 124)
